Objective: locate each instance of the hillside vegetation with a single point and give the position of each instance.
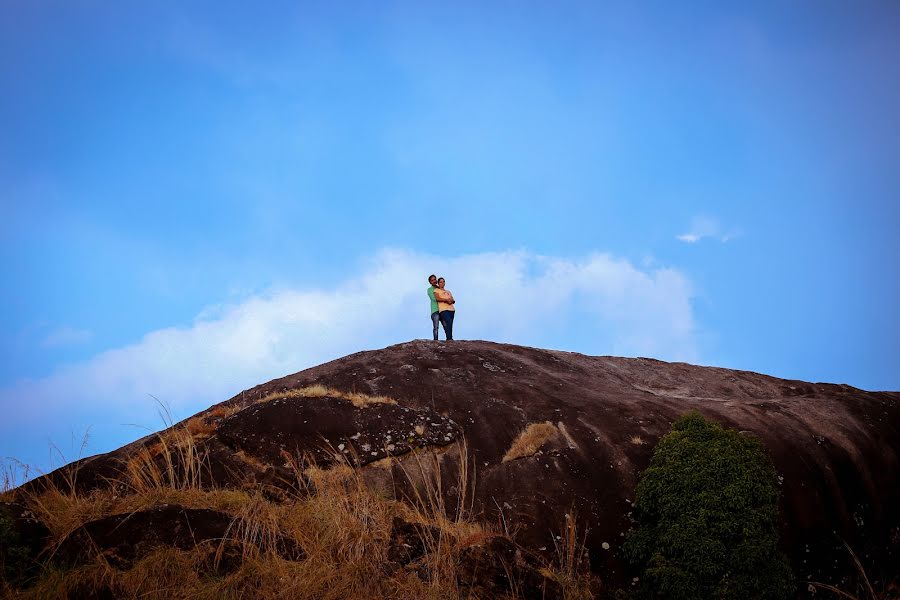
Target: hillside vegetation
(328, 536)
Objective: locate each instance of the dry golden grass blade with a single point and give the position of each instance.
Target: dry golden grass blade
(861, 571)
(864, 579)
(173, 462)
(256, 527)
(358, 399)
(567, 569)
(443, 532)
(833, 589)
(530, 440)
(15, 473)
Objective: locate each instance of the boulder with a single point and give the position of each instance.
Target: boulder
(836, 448)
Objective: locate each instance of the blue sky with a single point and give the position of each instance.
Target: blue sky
(197, 197)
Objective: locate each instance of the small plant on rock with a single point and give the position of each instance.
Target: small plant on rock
(705, 513)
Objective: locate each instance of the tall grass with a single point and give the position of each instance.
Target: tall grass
(340, 527)
(569, 568)
(868, 591)
(13, 473)
(173, 462)
(446, 529)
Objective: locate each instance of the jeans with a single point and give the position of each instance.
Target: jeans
(435, 318)
(447, 322)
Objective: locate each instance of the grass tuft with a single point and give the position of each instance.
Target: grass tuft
(571, 555)
(530, 440)
(358, 399)
(890, 588)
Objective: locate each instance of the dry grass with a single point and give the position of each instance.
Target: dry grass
(14, 474)
(571, 554)
(58, 505)
(637, 440)
(343, 529)
(171, 470)
(63, 512)
(174, 462)
(358, 399)
(530, 440)
(890, 589)
(56, 584)
(341, 526)
(205, 425)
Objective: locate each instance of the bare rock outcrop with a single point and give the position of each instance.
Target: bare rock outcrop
(595, 420)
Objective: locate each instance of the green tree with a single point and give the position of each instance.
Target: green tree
(705, 518)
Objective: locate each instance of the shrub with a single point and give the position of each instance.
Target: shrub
(15, 558)
(705, 518)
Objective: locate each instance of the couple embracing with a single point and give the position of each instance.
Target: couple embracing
(442, 309)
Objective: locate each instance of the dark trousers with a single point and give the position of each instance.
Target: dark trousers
(435, 318)
(447, 322)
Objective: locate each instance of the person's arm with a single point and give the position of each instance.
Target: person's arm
(444, 296)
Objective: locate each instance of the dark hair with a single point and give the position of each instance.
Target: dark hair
(441, 279)
(432, 275)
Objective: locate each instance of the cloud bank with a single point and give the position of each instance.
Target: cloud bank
(597, 304)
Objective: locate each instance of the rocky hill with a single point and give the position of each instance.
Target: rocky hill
(550, 433)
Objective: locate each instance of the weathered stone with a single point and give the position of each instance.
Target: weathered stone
(126, 538)
(316, 427)
(410, 541)
(497, 567)
(836, 448)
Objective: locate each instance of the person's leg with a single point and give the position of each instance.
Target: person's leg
(448, 326)
(444, 322)
(435, 317)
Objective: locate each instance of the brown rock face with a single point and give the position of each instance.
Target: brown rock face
(325, 427)
(836, 448)
(122, 539)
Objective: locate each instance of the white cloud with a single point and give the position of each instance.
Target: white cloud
(597, 304)
(706, 227)
(690, 238)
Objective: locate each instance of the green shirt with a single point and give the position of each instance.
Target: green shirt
(434, 306)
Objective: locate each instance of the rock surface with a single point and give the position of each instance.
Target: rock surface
(836, 448)
(124, 539)
(326, 427)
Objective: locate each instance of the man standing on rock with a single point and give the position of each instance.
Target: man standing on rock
(435, 313)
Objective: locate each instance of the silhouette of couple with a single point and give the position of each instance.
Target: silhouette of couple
(442, 309)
